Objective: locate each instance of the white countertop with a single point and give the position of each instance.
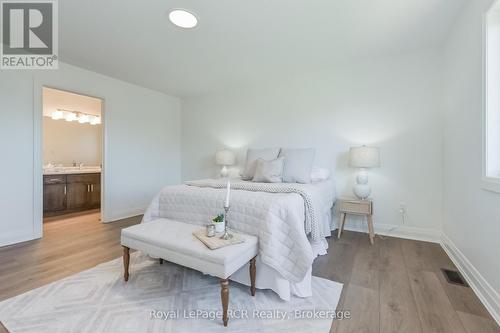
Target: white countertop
(70, 170)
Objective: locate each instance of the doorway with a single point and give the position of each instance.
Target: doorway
(72, 150)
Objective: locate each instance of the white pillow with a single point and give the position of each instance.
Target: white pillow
(298, 165)
(267, 154)
(269, 171)
(319, 174)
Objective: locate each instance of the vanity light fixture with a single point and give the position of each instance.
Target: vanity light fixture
(182, 18)
(70, 116)
(56, 115)
(95, 120)
(83, 118)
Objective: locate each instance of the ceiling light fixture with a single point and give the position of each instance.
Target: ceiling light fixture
(182, 18)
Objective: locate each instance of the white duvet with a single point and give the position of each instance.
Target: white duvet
(285, 217)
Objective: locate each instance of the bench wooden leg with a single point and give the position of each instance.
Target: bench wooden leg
(224, 295)
(126, 261)
(253, 271)
(161, 261)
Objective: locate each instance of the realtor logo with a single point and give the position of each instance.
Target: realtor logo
(29, 35)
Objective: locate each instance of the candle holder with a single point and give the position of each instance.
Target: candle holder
(226, 234)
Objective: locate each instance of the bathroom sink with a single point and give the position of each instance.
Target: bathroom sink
(70, 170)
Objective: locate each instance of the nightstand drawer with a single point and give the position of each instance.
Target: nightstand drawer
(356, 207)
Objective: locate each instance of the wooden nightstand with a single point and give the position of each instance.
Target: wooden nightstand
(356, 207)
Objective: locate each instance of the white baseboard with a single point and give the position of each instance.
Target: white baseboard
(14, 239)
(486, 293)
(406, 232)
(124, 215)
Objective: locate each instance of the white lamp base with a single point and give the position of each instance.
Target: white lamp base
(361, 189)
(223, 172)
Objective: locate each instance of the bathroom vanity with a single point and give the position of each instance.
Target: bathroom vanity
(71, 191)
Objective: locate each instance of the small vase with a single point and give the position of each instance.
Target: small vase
(219, 227)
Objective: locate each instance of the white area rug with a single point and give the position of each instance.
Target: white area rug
(161, 298)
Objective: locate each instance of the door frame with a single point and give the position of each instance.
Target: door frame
(38, 86)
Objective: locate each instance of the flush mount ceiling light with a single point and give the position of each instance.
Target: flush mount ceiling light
(182, 18)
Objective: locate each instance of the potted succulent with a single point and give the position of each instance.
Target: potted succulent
(218, 221)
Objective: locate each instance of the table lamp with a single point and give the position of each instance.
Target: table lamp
(363, 158)
(224, 158)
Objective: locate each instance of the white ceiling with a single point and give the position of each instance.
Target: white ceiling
(54, 99)
(241, 41)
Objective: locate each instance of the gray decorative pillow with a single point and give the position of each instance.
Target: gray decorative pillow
(298, 165)
(269, 171)
(253, 155)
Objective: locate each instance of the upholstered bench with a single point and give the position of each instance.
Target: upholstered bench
(174, 242)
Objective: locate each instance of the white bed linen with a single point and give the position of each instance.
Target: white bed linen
(286, 254)
(315, 197)
(269, 278)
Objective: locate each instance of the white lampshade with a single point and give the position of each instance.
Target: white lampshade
(364, 157)
(225, 157)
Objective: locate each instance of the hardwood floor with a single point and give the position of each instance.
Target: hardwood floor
(393, 286)
(396, 285)
(69, 245)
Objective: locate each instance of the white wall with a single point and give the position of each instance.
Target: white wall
(394, 104)
(493, 87)
(65, 142)
(471, 214)
(142, 144)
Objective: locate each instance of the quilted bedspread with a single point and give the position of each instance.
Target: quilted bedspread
(281, 215)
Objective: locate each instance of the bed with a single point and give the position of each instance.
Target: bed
(292, 222)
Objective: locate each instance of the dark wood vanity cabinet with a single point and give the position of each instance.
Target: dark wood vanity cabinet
(54, 198)
(95, 196)
(71, 193)
(77, 196)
